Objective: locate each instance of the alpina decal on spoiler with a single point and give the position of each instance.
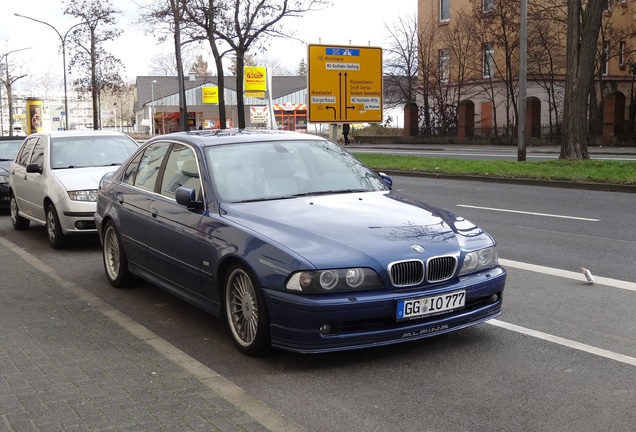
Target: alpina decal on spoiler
(425, 331)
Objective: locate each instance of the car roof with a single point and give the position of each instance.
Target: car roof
(214, 137)
(79, 133)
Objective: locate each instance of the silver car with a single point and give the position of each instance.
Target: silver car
(53, 180)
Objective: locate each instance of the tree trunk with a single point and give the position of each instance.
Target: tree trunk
(218, 61)
(240, 101)
(582, 38)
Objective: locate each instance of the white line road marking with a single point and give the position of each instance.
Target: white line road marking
(529, 213)
(565, 342)
(614, 283)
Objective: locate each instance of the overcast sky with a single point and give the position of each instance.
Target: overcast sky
(355, 22)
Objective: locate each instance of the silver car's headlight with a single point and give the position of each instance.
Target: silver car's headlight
(478, 260)
(4, 179)
(350, 279)
(83, 195)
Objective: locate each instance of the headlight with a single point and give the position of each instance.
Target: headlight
(479, 260)
(83, 195)
(4, 179)
(334, 280)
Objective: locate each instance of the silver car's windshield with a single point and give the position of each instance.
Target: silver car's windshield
(285, 169)
(90, 151)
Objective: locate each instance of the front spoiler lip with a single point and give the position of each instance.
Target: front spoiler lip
(416, 333)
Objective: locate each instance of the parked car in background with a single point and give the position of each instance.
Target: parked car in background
(292, 240)
(8, 150)
(53, 180)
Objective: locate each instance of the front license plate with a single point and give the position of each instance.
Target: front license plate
(427, 306)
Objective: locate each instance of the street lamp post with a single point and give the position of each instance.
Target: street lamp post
(63, 40)
(152, 107)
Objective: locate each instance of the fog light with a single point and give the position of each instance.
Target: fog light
(325, 328)
(493, 298)
(80, 225)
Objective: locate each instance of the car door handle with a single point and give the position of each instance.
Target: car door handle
(154, 212)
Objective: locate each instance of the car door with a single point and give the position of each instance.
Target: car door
(133, 199)
(29, 187)
(174, 229)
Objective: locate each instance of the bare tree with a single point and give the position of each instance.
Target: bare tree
(202, 18)
(500, 26)
(400, 61)
(584, 22)
(200, 67)
(547, 58)
(7, 70)
(101, 67)
(165, 64)
(251, 21)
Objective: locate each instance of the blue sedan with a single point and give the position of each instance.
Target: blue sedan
(295, 243)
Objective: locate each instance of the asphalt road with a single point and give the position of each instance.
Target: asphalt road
(562, 357)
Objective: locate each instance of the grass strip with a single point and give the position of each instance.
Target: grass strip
(592, 170)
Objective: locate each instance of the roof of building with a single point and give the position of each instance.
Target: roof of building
(157, 87)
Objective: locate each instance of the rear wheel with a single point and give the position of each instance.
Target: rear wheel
(246, 312)
(115, 261)
(18, 221)
(57, 239)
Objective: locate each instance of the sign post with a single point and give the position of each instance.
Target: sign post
(345, 84)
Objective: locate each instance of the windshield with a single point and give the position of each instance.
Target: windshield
(285, 169)
(9, 149)
(90, 151)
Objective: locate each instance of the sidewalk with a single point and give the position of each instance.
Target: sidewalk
(70, 362)
(555, 149)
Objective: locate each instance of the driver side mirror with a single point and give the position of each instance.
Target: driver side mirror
(187, 197)
(34, 168)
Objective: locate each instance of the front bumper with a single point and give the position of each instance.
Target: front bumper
(367, 320)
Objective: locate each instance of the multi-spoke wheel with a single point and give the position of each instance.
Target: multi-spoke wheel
(246, 312)
(57, 239)
(18, 221)
(115, 261)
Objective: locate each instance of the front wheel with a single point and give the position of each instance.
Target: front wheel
(19, 223)
(246, 312)
(57, 239)
(115, 260)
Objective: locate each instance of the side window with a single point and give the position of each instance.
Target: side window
(37, 156)
(24, 155)
(181, 170)
(149, 166)
(131, 170)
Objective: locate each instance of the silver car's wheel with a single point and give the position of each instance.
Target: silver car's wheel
(57, 239)
(246, 312)
(18, 221)
(115, 261)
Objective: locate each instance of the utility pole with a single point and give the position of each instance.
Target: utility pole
(523, 56)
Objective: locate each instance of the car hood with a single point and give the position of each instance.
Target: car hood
(357, 227)
(74, 179)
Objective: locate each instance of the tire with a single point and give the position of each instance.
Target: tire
(19, 223)
(114, 257)
(246, 313)
(57, 239)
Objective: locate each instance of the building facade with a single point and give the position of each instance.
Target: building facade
(470, 53)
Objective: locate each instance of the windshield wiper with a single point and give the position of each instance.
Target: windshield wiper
(330, 192)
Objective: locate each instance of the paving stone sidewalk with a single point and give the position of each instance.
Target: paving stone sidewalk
(67, 366)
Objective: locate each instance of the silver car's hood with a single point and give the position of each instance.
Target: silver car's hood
(357, 227)
(74, 179)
